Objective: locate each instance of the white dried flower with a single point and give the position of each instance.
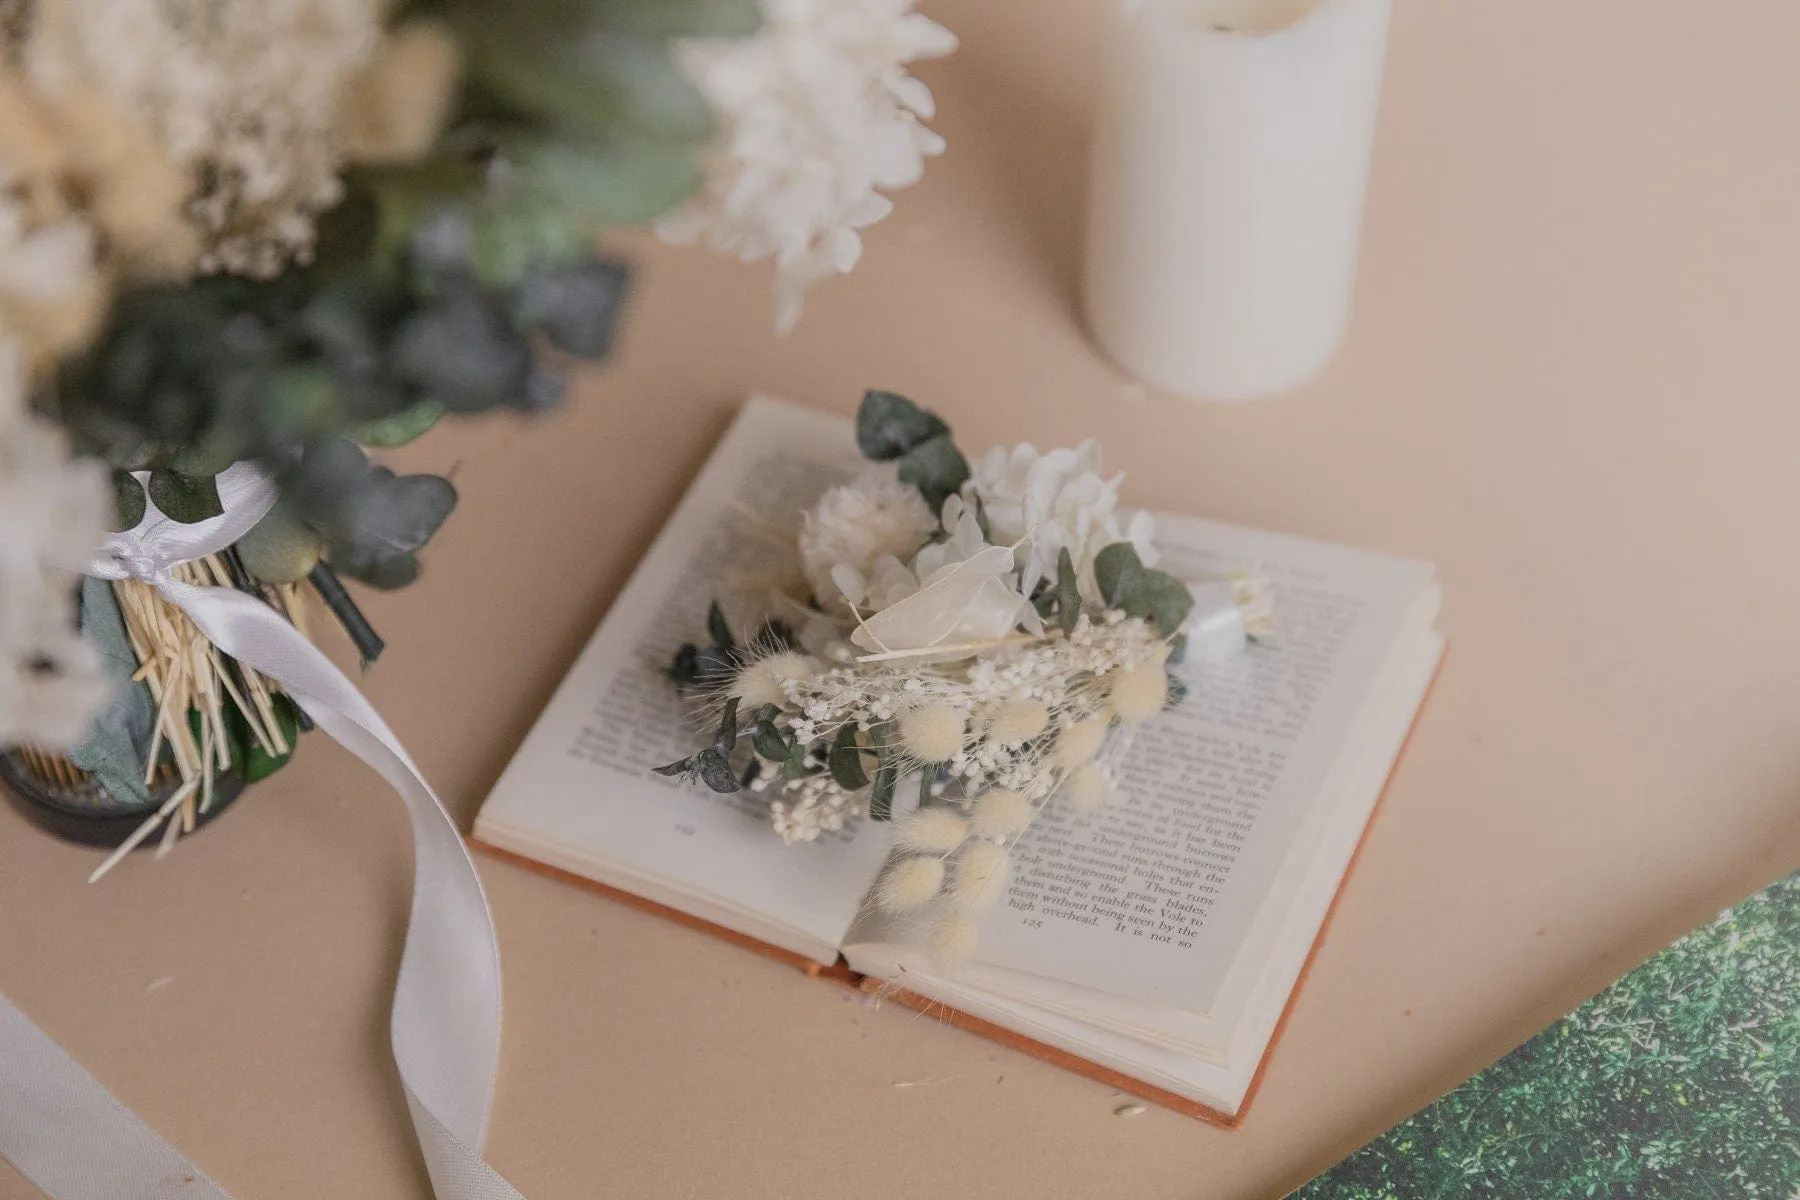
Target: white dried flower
(767, 680)
(1016, 723)
(854, 526)
(818, 116)
(242, 95)
(950, 940)
(1002, 813)
(909, 884)
(1140, 692)
(955, 592)
(931, 733)
(934, 830)
(1050, 502)
(52, 516)
(1088, 789)
(983, 872)
(1080, 742)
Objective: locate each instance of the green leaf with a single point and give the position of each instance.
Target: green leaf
(576, 306)
(726, 739)
(1178, 691)
(184, 498)
(258, 764)
(463, 352)
(1068, 594)
(889, 425)
(715, 772)
(769, 741)
(370, 519)
(128, 500)
(1117, 570)
(718, 628)
(681, 767)
(1164, 600)
(936, 467)
(796, 766)
(846, 761)
(887, 777)
(399, 429)
(280, 548)
(118, 742)
(683, 18)
(601, 183)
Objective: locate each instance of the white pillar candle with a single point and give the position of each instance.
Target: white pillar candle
(1230, 160)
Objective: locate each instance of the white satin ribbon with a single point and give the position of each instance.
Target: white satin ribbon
(70, 1137)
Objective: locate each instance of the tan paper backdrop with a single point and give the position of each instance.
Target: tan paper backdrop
(1573, 382)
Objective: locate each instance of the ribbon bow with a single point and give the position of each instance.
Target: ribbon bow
(69, 1136)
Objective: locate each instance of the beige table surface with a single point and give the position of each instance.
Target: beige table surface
(1571, 384)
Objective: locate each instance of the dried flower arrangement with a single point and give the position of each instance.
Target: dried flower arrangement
(293, 233)
(988, 635)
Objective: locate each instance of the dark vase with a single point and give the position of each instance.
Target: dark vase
(59, 797)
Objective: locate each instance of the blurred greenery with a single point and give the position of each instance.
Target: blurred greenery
(1679, 1082)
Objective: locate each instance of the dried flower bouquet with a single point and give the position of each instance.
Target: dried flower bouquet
(974, 633)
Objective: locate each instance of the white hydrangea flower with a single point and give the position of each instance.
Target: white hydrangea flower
(1043, 503)
(52, 516)
(818, 117)
(956, 591)
(855, 525)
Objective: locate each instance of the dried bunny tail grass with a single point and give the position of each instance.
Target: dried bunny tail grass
(1139, 692)
(765, 680)
(1017, 723)
(909, 884)
(933, 830)
(1080, 742)
(931, 733)
(950, 940)
(983, 871)
(1001, 813)
(1088, 789)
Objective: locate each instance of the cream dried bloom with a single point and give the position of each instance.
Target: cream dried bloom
(1045, 503)
(52, 515)
(855, 525)
(241, 95)
(818, 118)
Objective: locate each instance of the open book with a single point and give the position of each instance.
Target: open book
(1156, 943)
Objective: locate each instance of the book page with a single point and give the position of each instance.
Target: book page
(582, 794)
(1151, 897)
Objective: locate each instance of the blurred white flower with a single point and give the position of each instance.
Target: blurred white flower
(858, 523)
(1043, 503)
(957, 591)
(818, 117)
(52, 516)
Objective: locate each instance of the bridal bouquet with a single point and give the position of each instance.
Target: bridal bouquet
(272, 238)
(974, 633)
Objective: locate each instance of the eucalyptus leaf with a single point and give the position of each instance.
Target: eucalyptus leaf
(1161, 599)
(280, 548)
(1178, 690)
(1117, 570)
(575, 306)
(889, 425)
(845, 761)
(936, 467)
(887, 777)
(603, 182)
(715, 771)
(726, 739)
(683, 18)
(463, 352)
(685, 668)
(399, 429)
(718, 628)
(184, 498)
(1068, 593)
(797, 766)
(370, 519)
(769, 741)
(129, 503)
(118, 741)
